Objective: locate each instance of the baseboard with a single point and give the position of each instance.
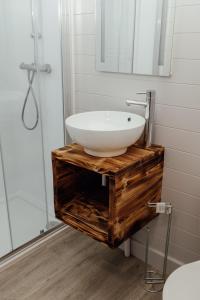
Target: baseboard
(155, 257)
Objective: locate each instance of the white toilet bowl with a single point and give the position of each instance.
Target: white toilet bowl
(184, 283)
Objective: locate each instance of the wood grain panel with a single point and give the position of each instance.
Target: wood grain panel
(134, 157)
(132, 194)
(109, 214)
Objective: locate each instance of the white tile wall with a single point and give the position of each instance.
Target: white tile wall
(187, 19)
(187, 46)
(187, 2)
(177, 122)
(174, 160)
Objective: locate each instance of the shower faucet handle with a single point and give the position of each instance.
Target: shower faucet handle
(32, 67)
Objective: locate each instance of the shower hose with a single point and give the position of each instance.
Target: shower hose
(30, 91)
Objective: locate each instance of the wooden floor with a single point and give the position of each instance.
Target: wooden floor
(72, 266)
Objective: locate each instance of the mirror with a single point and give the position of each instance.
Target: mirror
(135, 36)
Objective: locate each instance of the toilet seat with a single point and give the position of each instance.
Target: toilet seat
(184, 283)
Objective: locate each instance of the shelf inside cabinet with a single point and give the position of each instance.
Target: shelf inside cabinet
(89, 211)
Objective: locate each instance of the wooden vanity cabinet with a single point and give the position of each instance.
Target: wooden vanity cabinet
(110, 213)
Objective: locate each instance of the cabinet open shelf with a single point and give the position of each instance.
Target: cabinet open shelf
(110, 213)
(91, 213)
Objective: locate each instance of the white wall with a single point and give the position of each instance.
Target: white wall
(177, 124)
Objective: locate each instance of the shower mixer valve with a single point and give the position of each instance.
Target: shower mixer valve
(32, 67)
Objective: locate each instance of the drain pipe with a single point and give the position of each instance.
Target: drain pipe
(103, 180)
(127, 248)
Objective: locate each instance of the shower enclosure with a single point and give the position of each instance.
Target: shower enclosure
(31, 117)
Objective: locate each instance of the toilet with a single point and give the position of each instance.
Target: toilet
(184, 283)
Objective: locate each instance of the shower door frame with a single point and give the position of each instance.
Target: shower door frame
(6, 195)
(36, 36)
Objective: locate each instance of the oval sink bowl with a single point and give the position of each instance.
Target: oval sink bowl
(105, 133)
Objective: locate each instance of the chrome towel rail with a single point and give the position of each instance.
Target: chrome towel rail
(151, 277)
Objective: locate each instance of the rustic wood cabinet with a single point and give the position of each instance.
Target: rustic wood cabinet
(110, 213)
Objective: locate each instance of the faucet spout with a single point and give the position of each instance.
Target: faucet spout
(149, 106)
(133, 102)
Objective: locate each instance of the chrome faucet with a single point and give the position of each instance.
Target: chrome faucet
(149, 106)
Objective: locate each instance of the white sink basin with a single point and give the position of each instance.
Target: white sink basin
(105, 133)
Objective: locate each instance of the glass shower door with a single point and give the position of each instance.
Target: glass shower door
(22, 149)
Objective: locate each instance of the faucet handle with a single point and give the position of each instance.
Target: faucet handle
(141, 93)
